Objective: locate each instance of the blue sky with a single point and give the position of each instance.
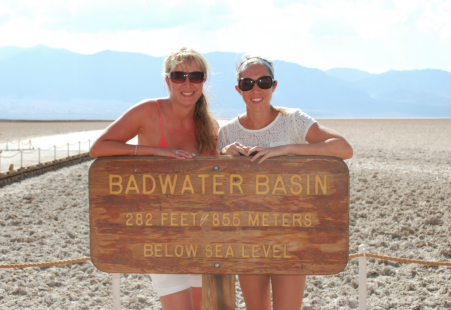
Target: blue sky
(374, 36)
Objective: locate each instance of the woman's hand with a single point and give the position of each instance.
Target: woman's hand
(235, 149)
(174, 153)
(267, 152)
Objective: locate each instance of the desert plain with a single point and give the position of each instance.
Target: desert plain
(400, 201)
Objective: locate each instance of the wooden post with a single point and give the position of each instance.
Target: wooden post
(218, 292)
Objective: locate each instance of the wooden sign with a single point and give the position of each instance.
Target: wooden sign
(219, 215)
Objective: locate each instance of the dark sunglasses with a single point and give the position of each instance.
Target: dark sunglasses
(263, 82)
(180, 77)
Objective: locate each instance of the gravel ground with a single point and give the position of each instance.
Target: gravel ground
(400, 201)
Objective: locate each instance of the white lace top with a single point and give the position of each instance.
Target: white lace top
(285, 129)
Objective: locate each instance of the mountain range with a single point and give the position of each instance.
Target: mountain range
(48, 83)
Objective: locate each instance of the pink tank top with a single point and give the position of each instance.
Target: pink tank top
(163, 143)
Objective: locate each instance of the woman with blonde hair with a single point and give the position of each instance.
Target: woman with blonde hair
(265, 131)
(179, 126)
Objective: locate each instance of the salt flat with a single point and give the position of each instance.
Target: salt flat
(400, 206)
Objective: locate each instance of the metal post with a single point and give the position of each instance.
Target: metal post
(116, 291)
(54, 152)
(89, 144)
(68, 150)
(6, 145)
(79, 147)
(39, 155)
(21, 159)
(362, 278)
(29, 144)
(18, 144)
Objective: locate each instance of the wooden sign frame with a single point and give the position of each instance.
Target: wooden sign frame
(219, 215)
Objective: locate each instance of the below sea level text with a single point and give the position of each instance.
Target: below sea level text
(157, 250)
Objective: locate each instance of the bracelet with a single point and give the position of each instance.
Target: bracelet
(136, 149)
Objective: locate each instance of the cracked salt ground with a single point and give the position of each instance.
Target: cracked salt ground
(401, 213)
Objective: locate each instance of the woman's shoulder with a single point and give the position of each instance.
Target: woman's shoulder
(295, 114)
(145, 108)
(290, 112)
(230, 123)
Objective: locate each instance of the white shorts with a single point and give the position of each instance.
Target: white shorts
(166, 284)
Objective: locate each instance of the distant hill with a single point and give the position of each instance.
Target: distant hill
(47, 83)
(347, 74)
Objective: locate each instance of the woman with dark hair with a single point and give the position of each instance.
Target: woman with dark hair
(268, 131)
(179, 126)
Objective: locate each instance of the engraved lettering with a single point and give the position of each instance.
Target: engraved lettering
(173, 219)
(183, 219)
(157, 250)
(148, 250)
(323, 185)
(266, 251)
(284, 223)
(166, 251)
(254, 250)
(130, 187)
(308, 217)
(275, 218)
(203, 176)
(229, 252)
(145, 191)
(264, 219)
(258, 184)
(164, 218)
(191, 250)
(233, 182)
(296, 183)
(216, 183)
(204, 219)
(209, 252)
(118, 183)
(253, 221)
(187, 185)
(167, 181)
(279, 180)
(177, 252)
(218, 250)
(297, 218)
(285, 252)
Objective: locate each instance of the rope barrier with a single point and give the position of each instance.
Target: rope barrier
(10, 156)
(351, 256)
(45, 264)
(30, 152)
(18, 141)
(42, 150)
(401, 260)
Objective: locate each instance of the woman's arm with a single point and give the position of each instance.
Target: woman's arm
(113, 140)
(322, 141)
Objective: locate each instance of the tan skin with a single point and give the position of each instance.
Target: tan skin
(287, 290)
(179, 130)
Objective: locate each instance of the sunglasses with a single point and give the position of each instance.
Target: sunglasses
(263, 82)
(180, 77)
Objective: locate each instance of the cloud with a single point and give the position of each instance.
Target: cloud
(4, 17)
(324, 28)
(104, 16)
(372, 35)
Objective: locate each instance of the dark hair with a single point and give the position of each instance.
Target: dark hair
(240, 68)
